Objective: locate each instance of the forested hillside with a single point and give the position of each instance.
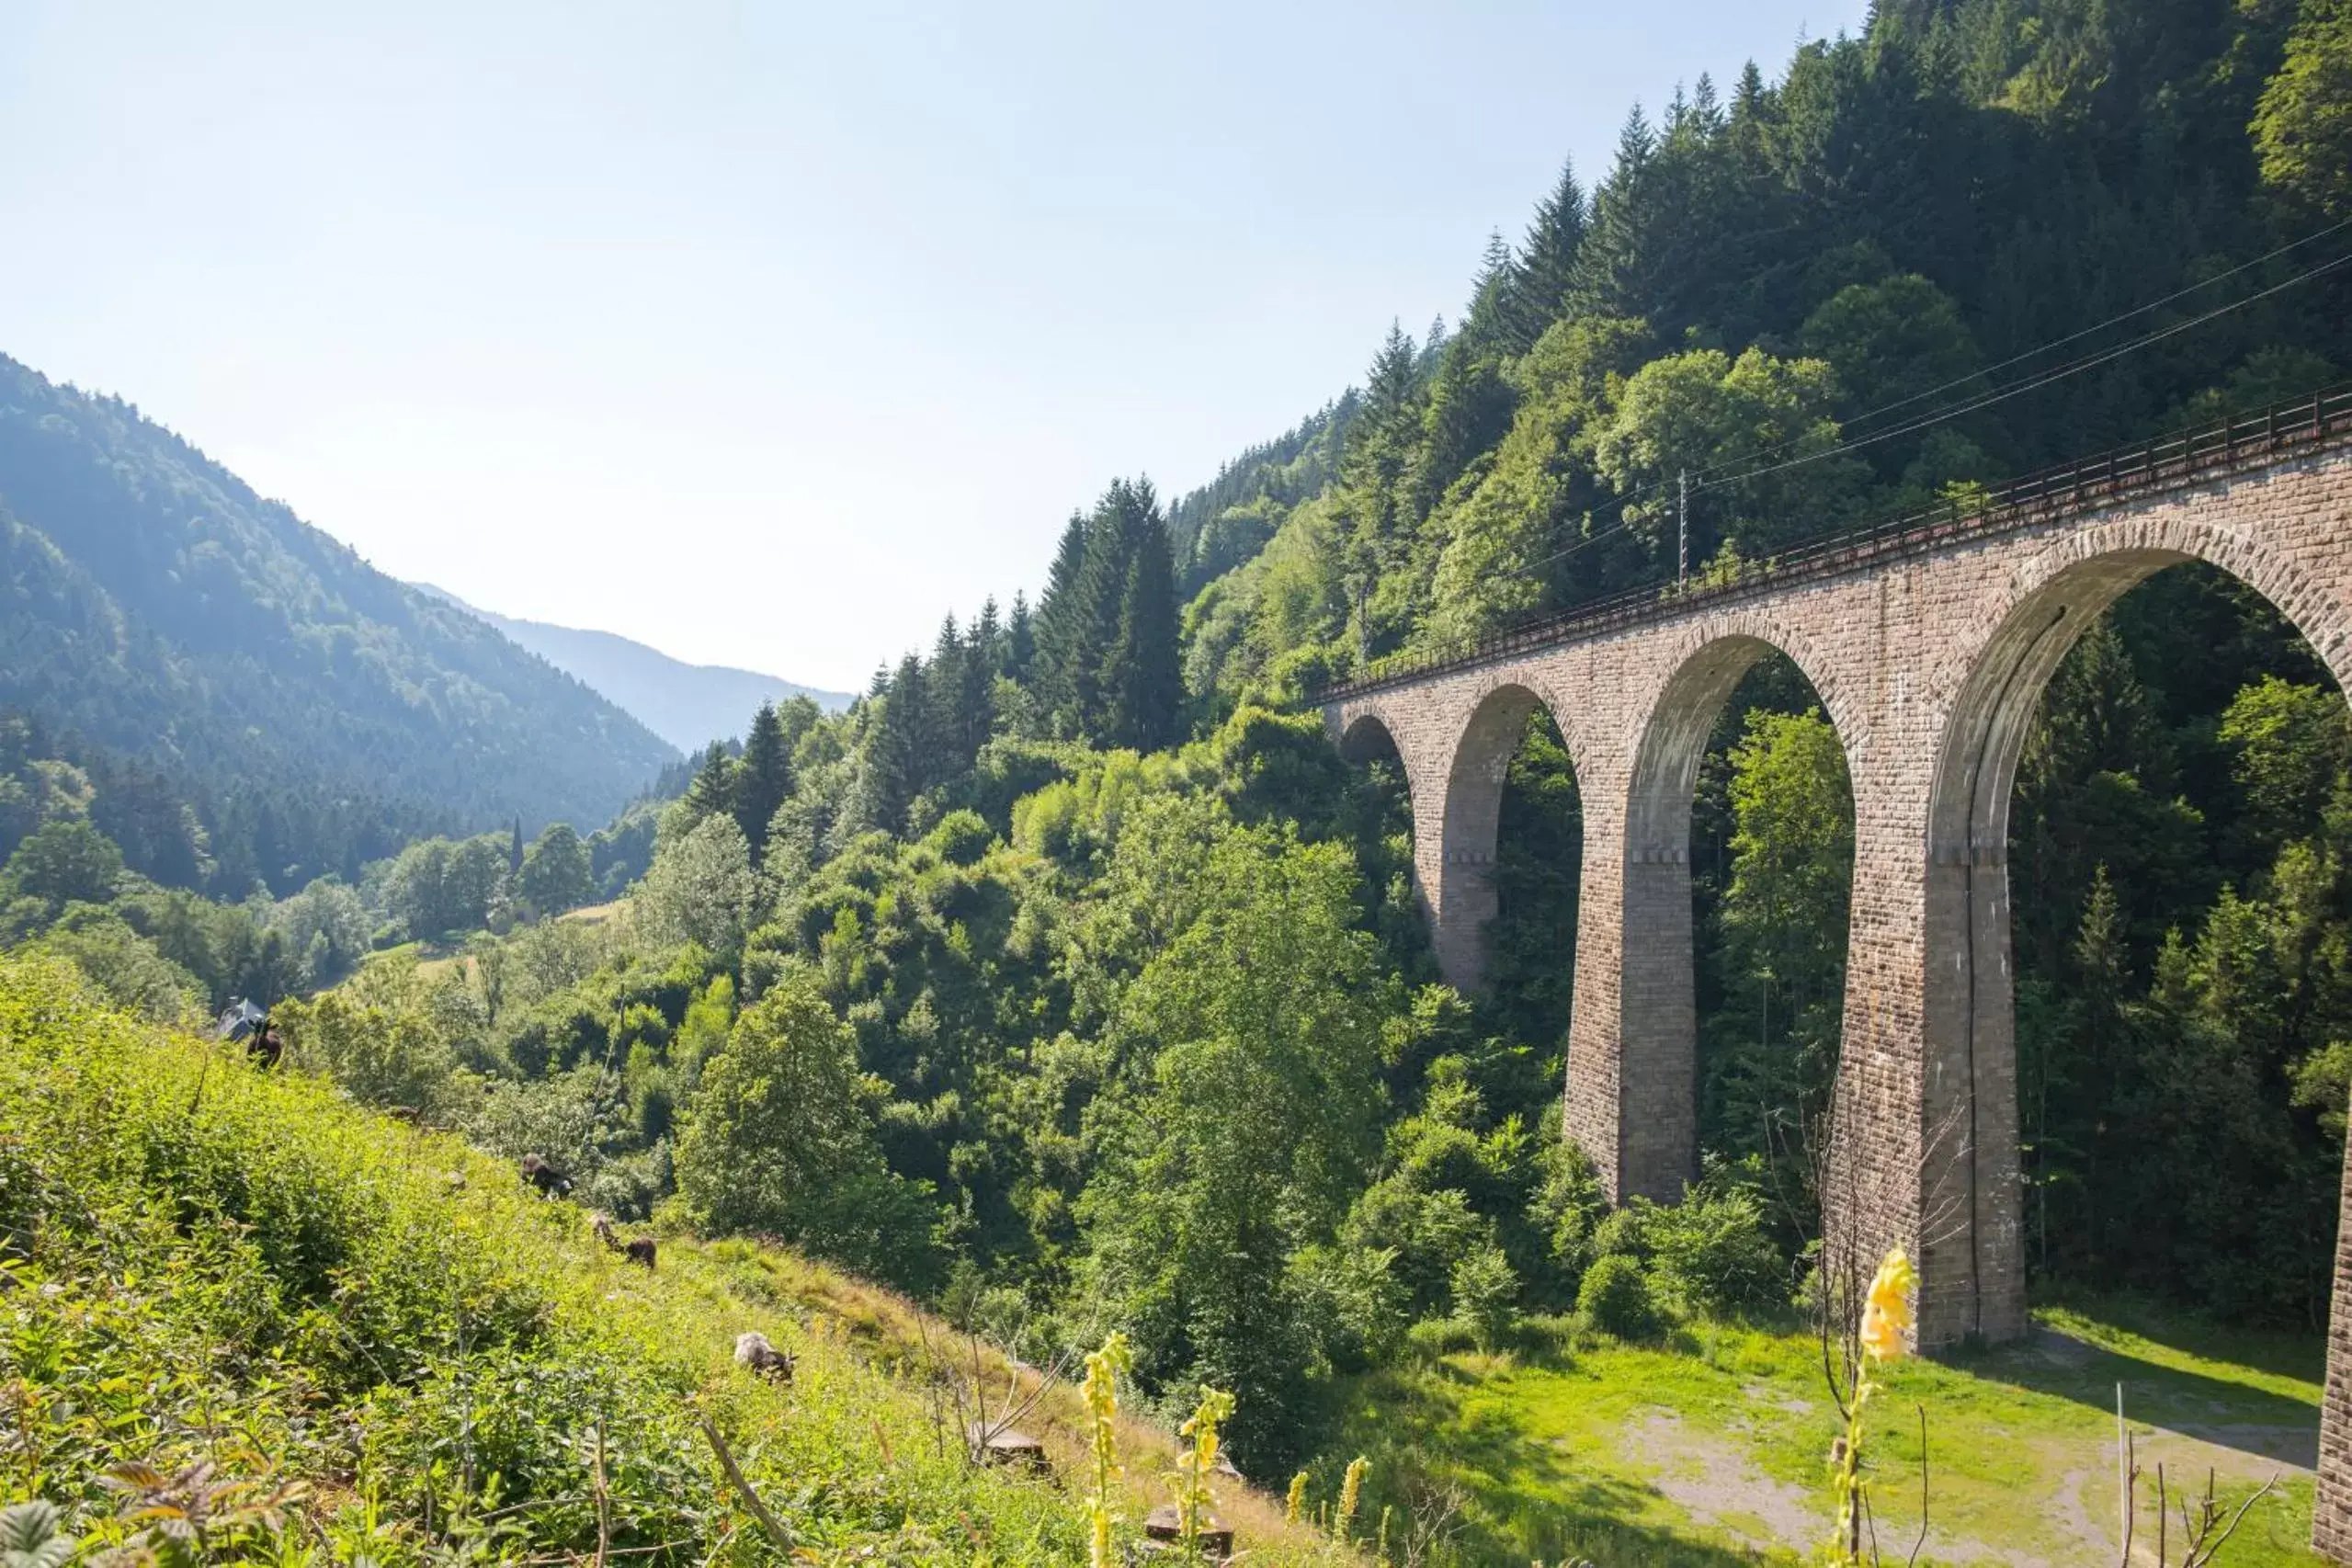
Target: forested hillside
(313, 714)
(687, 705)
(1073, 980)
(1778, 287)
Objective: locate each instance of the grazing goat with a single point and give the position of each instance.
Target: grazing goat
(752, 1350)
(551, 1182)
(638, 1249)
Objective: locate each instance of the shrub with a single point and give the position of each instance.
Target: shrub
(1615, 1299)
(1711, 1253)
(1625, 1233)
(1566, 1209)
(1351, 1300)
(1428, 1232)
(1486, 1291)
(128, 968)
(962, 838)
(379, 1058)
(781, 1142)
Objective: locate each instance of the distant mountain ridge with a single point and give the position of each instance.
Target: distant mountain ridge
(687, 705)
(153, 603)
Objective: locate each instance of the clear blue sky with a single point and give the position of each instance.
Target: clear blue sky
(767, 334)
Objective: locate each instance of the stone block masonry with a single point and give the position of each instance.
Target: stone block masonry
(1930, 660)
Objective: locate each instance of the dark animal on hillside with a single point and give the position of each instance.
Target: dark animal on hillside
(551, 1182)
(752, 1350)
(246, 1025)
(637, 1249)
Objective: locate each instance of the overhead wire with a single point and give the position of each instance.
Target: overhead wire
(2043, 379)
(2041, 348)
(2030, 383)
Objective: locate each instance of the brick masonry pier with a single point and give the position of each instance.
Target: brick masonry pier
(1930, 645)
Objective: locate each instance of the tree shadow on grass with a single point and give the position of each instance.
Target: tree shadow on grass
(1521, 1498)
(2254, 1421)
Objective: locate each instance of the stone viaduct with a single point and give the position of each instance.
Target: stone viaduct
(1929, 646)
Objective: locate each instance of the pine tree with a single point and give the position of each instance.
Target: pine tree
(1143, 682)
(713, 788)
(1096, 600)
(1057, 623)
(1468, 410)
(943, 680)
(988, 636)
(1539, 282)
(976, 688)
(889, 758)
(1382, 445)
(763, 779)
(1020, 639)
(1611, 276)
(515, 849)
(1486, 327)
(1432, 345)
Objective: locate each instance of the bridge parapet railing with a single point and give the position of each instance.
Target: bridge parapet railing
(2175, 461)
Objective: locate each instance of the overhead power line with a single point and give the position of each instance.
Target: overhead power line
(2056, 343)
(2031, 382)
(2043, 379)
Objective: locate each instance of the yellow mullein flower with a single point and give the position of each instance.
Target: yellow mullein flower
(1887, 1319)
(1104, 1368)
(1351, 1486)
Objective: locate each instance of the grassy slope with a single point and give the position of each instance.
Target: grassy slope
(199, 1263)
(1714, 1450)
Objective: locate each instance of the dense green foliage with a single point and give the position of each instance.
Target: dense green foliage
(1894, 228)
(232, 1302)
(2184, 886)
(1067, 979)
(292, 711)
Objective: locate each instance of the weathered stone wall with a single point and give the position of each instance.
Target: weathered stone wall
(1932, 667)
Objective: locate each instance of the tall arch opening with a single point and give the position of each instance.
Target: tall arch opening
(2141, 874)
(1531, 938)
(1380, 809)
(1738, 868)
(1458, 878)
(1771, 888)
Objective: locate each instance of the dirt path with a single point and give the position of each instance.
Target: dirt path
(1713, 1478)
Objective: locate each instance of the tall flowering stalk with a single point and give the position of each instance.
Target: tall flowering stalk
(1293, 1505)
(1196, 1465)
(1885, 1336)
(1104, 1368)
(1351, 1489)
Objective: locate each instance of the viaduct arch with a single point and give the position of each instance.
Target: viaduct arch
(1930, 648)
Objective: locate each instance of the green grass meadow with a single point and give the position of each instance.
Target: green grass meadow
(1714, 1448)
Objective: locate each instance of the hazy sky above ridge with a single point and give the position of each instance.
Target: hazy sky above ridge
(764, 334)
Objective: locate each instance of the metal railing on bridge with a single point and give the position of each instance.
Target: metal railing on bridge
(2178, 462)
